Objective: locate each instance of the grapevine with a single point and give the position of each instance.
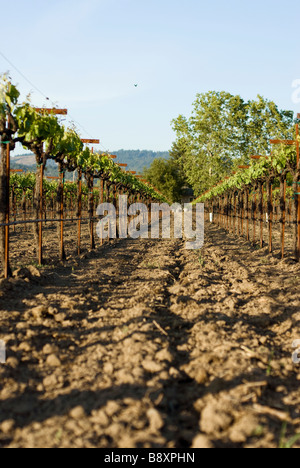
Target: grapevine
(43, 134)
(269, 180)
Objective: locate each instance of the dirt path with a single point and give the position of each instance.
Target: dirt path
(146, 344)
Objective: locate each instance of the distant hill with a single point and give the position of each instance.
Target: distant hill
(137, 160)
(27, 163)
(24, 159)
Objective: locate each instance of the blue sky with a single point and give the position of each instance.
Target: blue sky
(87, 55)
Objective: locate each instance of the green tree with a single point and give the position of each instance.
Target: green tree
(166, 177)
(177, 156)
(222, 132)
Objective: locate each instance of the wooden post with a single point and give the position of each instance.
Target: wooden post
(7, 270)
(270, 214)
(52, 206)
(227, 212)
(24, 207)
(296, 217)
(283, 211)
(40, 253)
(115, 196)
(298, 194)
(248, 214)
(261, 214)
(231, 212)
(61, 189)
(79, 209)
(101, 201)
(234, 216)
(242, 212)
(91, 210)
(14, 206)
(254, 206)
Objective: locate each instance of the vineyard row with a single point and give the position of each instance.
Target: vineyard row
(266, 190)
(40, 131)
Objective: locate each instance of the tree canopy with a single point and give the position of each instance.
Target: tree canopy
(166, 177)
(222, 132)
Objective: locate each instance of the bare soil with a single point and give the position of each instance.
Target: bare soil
(145, 344)
(23, 248)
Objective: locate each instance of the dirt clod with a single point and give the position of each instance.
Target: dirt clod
(201, 442)
(53, 361)
(77, 413)
(214, 419)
